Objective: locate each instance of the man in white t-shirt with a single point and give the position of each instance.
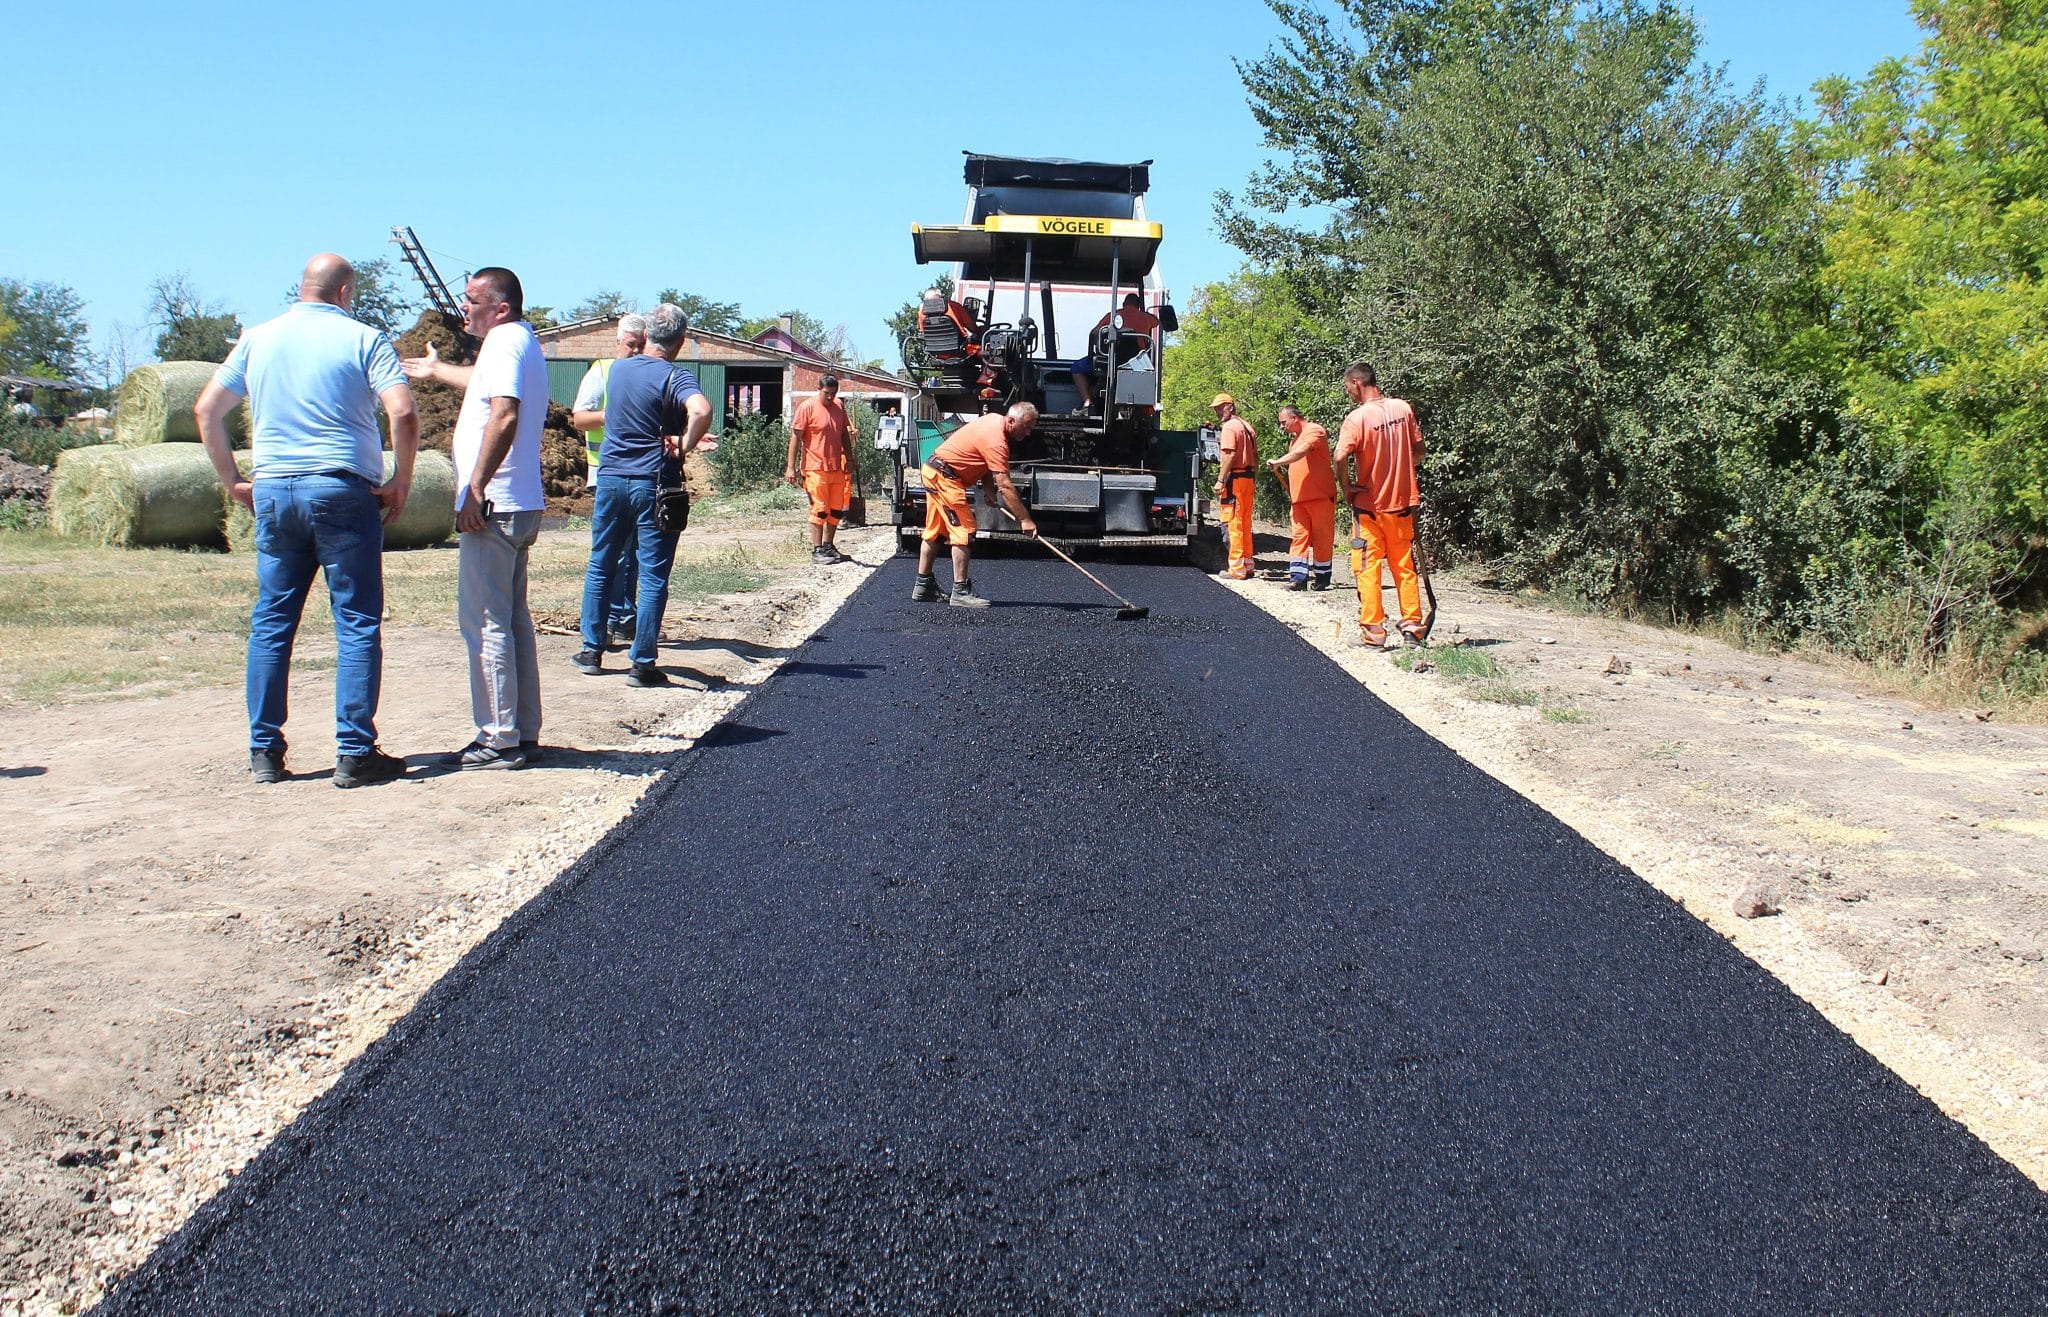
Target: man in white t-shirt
(498, 506)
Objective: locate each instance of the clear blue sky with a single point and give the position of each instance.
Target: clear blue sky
(772, 155)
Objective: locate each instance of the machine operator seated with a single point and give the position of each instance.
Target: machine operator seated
(948, 329)
(1137, 323)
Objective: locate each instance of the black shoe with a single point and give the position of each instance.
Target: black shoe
(646, 675)
(367, 769)
(478, 755)
(837, 556)
(622, 630)
(266, 766)
(589, 662)
(531, 751)
(926, 591)
(1318, 585)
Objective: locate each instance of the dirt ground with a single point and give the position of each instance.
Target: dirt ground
(188, 959)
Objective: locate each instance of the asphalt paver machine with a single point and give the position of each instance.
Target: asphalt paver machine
(1046, 250)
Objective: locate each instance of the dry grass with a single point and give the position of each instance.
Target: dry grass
(79, 622)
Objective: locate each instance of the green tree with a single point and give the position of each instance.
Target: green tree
(378, 300)
(1584, 261)
(189, 327)
(43, 330)
(541, 317)
(705, 313)
(604, 302)
(1937, 243)
(829, 342)
(902, 323)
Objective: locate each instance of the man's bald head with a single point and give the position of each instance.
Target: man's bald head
(328, 278)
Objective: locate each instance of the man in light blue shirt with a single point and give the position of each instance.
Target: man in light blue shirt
(315, 377)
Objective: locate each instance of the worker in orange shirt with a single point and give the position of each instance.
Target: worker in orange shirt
(1312, 500)
(824, 436)
(1136, 320)
(935, 307)
(1382, 438)
(1237, 481)
(977, 452)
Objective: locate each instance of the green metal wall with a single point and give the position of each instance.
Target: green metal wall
(565, 376)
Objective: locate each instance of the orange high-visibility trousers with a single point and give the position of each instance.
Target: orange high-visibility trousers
(1242, 489)
(831, 492)
(1385, 537)
(1315, 535)
(947, 514)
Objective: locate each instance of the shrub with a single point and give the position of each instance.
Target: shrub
(39, 445)
(750, 454)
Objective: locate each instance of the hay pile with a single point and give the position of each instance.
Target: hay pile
(428, 519)
(156, 405)
(163, 494)
(68, 485)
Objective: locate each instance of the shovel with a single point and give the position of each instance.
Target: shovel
(1428, 590)
(1130, 612)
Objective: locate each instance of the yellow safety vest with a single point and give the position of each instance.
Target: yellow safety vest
(593, 440)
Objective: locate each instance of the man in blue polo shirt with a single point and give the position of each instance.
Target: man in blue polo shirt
(654, 413)
(314, 377)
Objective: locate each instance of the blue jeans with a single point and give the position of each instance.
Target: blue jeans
(623, 514)
(332, 524)
(622, 604)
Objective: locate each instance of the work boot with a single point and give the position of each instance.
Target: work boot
(926, 590)
(963, 596)
(622, 630)
(824, 555)
(1372, 637)
(1239, 573)
(1319, 583)
(266, 766)
(1296, 584)
(837, 556)
(367, 769)
(1411, 635)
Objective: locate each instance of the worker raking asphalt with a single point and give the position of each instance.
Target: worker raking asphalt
(1016, 960)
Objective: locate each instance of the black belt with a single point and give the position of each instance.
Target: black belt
(1244, 473)
(943, 469)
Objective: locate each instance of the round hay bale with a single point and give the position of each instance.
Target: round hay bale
(156, 405)
(165, 495)
(428, 519)
(75, 470)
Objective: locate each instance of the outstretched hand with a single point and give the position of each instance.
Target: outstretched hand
(422, 368)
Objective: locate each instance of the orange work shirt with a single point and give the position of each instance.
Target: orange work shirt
(976, 449)
(1311, 479)
(1136, 320)
(1237, 446)
(1382, 434)
(823, 427)
(954, 312)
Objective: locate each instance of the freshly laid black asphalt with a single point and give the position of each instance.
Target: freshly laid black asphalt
(1026, 960)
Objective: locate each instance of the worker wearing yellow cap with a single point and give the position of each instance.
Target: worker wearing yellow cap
(1236, 481)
